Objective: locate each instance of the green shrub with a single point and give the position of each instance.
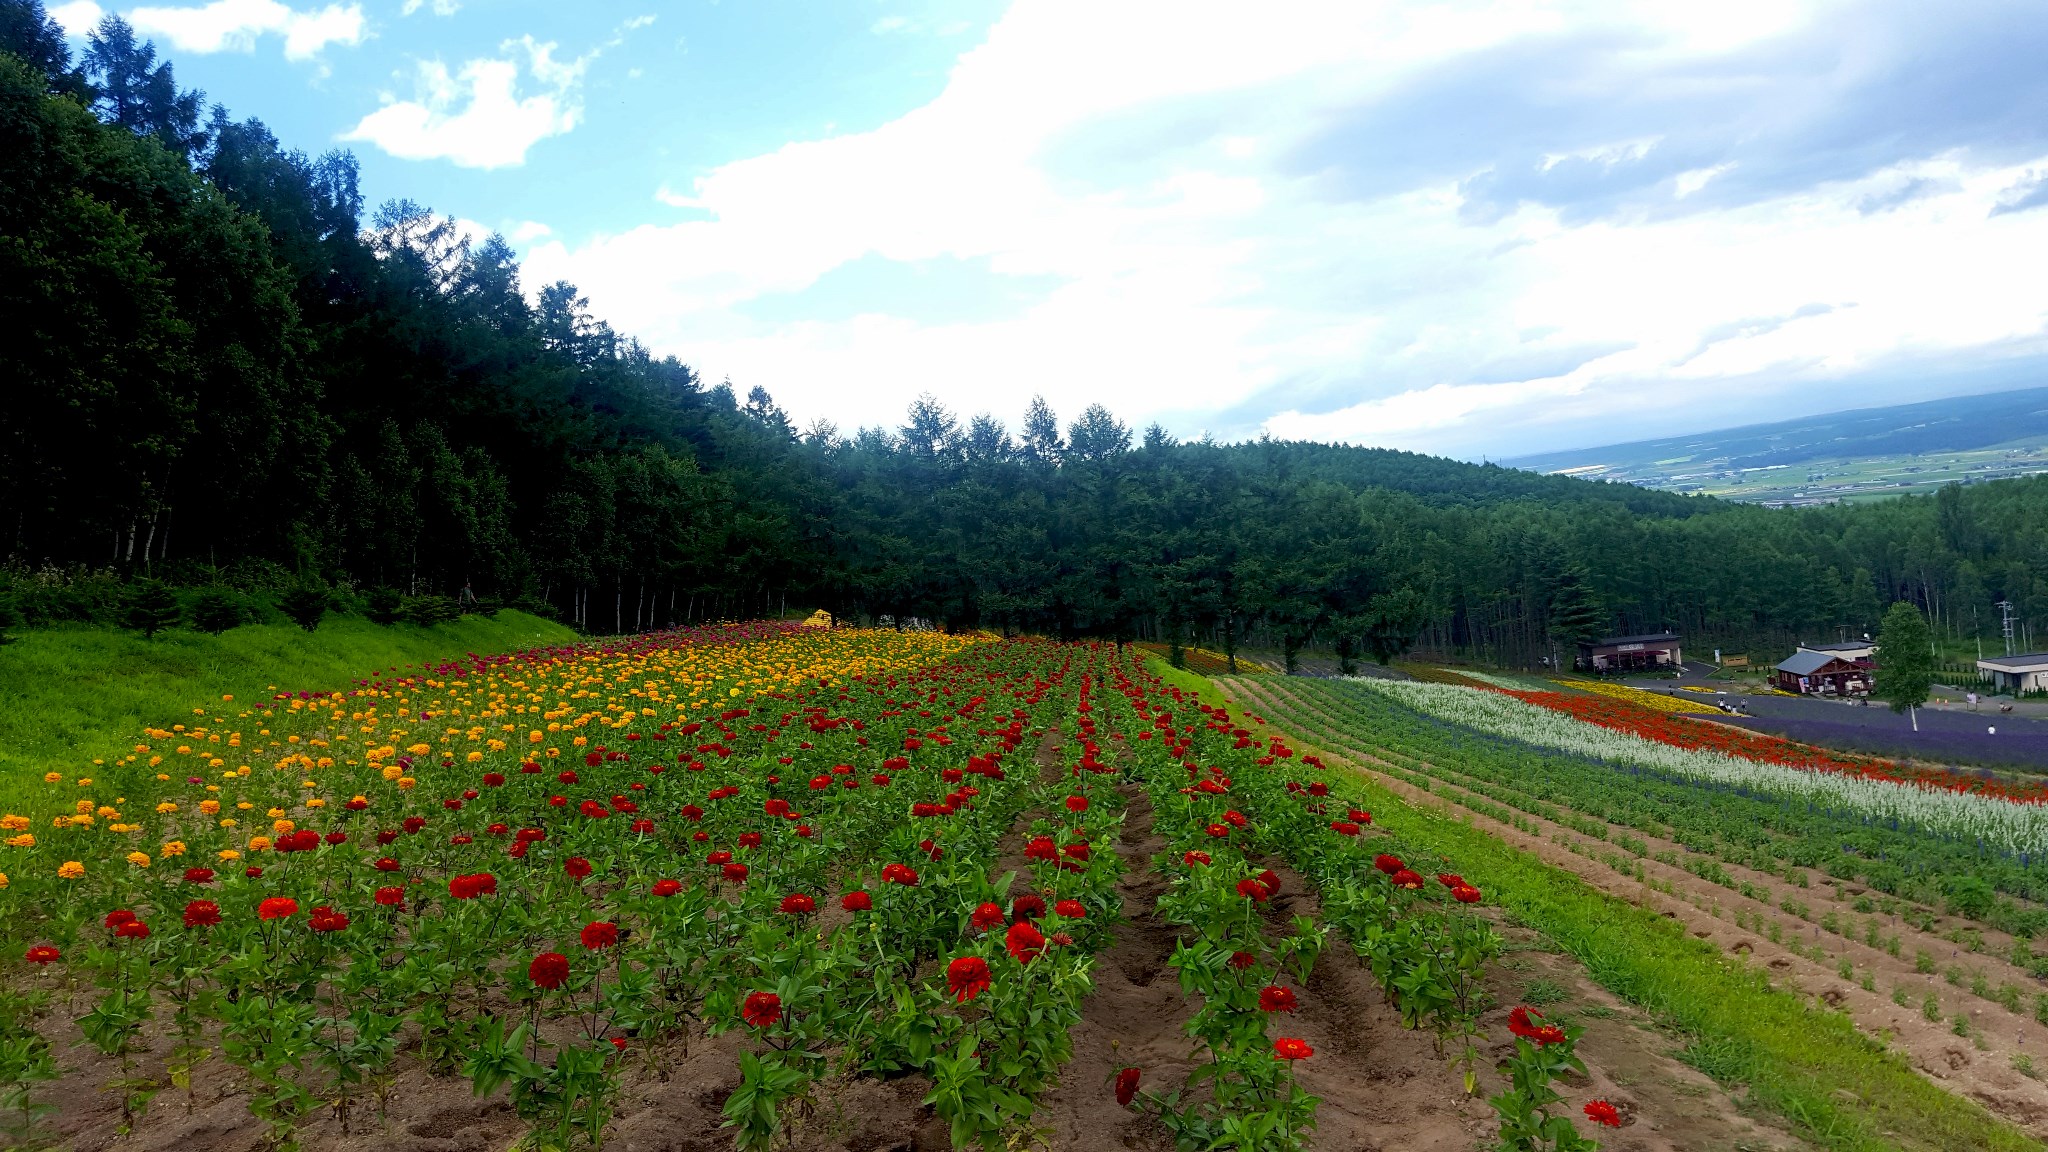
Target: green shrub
(427, 611)
(149, 608)
(305, 604)
(9, 618)
(384, 606)
(216, 610)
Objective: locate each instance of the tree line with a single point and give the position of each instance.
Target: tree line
(224, 369)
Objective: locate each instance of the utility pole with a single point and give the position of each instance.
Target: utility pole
(2005, 623)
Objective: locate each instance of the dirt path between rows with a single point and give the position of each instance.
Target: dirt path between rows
(1979, 1066)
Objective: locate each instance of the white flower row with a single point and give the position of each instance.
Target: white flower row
(2009, 825)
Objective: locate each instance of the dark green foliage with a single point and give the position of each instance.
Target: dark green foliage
(149, 608)
(216, 610)
(1905, 662)
(427, 611)
(305, 604)
(383, 606)
(9, 618)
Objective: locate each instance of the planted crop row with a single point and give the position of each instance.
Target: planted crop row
(1771, 833)
(812, 864)
(1227, 798)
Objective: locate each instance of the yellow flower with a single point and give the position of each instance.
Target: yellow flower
(282, 826)
(71, 870)
(13, 823)
(406, 783)
(228, 854)
(258, 843)
(173, 848)
(166, 807)
(393, 771)
(244, 805)
(580, 741)
(475, 757)
(85, 806)
(316, 802)
(230, 822)
(274, 813)
(535, 736)
(81, 821)
(25, 840)
(52, 777)
(138, 859)
(418, 749)
(3, 879)
(210, 807)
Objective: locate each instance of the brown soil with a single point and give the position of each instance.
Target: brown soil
(1382, 1087)
(1979, 1066)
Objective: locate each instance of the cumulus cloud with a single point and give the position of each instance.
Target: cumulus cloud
(235, 26)
(78, 17)
(1445, 227)
(440, 7)
(476, 116)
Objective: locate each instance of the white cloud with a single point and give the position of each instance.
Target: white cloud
(235, 25)
(528, 230)
(77, 18)
(476, 117)
(1138, 157)
(888, 24)
(440, 7)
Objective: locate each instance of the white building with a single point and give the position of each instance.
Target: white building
(2015, 674)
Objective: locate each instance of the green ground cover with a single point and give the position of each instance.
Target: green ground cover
(76, 694)
(1810, 1068)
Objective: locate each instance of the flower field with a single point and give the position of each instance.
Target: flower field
(549, 872)
(1653, 701)
(1963, 807)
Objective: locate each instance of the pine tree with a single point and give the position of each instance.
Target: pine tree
(150, 608)
(305, 604)
(216, 610)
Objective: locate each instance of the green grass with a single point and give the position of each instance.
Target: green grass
(1831, 1083)
(73, 695)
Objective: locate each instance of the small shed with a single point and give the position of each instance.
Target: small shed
(2015, 674)
(1632, 653)
(1814, 673)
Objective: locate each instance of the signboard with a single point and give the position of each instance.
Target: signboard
(1734, 661)
(1628, 647)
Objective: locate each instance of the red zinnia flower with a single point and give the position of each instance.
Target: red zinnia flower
(966, 978)
(1071, 909)
(1406, 879)
(132, 930)
(1242, 960)
(1466, 895)
(325, 919)
(1251, 889)
(118, 917)
(548, 970)
(1288, 1048)
(43, 954)
(386, 864)
(798, 904)
(734, 872)
(1524, 1023)
(277, 908)
(577, 867)
(1601, 1112)
(761, 1009)
(198, 875)
(1388, 864)
(472, 886)
(857, 901)
(1190, 859)
(1126, 1086)
(986, 917)
(390, 897)
(1077, 803)
(667, 887)
(600, 934)
(1274, 998)
(1024, 942)
(202, 914)
(1219, 831)
(1029, 906)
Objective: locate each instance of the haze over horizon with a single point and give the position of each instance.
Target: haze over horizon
(1471, 229)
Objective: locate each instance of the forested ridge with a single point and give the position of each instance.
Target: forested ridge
(221, 368)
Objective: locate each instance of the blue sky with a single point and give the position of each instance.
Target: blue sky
(1477, 228)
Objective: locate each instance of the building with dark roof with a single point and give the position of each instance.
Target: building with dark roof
(1819, 673)
(1652, 652)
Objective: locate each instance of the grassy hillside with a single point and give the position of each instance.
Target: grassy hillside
(76, 694)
